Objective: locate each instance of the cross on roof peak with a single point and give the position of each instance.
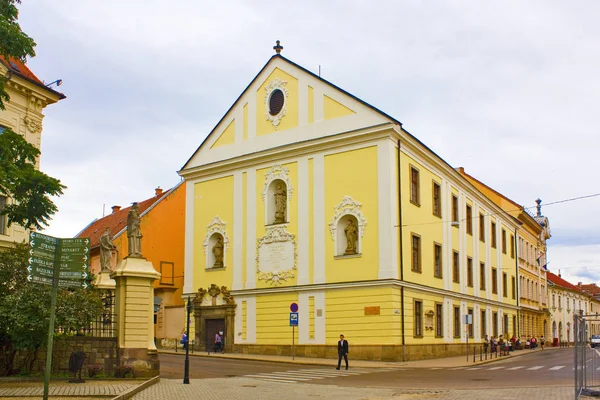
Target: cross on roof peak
(278, 47)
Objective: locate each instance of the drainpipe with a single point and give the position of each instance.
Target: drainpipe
(401, 255)
(517, 280)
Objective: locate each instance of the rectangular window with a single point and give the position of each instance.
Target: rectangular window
(456, 321)
(504, 284)
(514, 288)
(514, 325)
(416, 253)
(495, 324)
(493, 236)
(418, 318)
(512, 246)
(166, 273)
(454, 208)
(504, 241)
(494, 280)
(455, 269)
(482, 276)
(483, 324)
(470, 311)
(469, 221)
(415, 198)
(469, 272)
(505, 331)
(437, 260)
(2, 217)
(439, 320)
(437, 200)
(481, 228)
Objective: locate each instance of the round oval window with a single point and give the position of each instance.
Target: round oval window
(276, 100)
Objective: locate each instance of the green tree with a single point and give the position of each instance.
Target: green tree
(30, 189)
(24, 312)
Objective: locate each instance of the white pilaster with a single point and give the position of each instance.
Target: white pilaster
(387, 211)
(251, 229)
(319, 103)
(302, 101)
(251, 116)
(238, 224)
(303, 234)
(239, 124)
(319, 218)
(250, 320)
(190, 200)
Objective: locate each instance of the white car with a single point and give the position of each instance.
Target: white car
(595, 342)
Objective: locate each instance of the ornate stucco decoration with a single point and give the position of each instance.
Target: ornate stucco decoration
(276, 84)
(32, 125)
(277, 172)
(216, 226)
(276, 256)
(348, 206)
(213, 296)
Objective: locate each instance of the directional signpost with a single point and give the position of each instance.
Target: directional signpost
(58, 263)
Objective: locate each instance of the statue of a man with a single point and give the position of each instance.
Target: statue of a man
(218, 252)
(280, 204)
(106, 248)
(351, 237)
(134, 234)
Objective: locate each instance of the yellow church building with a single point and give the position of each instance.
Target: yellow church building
(305, 194)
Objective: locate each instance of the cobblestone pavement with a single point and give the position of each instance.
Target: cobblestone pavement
(64, 389)
(244, 388)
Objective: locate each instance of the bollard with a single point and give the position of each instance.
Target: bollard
(480, 355)
(175, 345)
(474, 351)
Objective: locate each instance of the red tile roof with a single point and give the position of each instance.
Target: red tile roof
(591, 288)
(557, 280)
(17, 66)
(115, 221)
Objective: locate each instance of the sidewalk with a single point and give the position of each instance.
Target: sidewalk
(448, 362)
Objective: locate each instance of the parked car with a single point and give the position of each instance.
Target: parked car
(595, 342)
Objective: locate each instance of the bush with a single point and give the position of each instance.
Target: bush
(125, 371)
(94, 369)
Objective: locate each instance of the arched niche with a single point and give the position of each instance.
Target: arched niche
(277, 210)
(347, 228)
(216, 235)
(215, 256)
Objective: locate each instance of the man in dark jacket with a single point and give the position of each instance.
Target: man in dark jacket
(342, 351)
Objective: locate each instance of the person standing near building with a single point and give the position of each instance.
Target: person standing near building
(342, 351)
(219, 343)
(184, 341)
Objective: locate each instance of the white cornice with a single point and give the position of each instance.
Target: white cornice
(363, 284)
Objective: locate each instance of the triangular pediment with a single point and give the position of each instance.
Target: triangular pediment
(284, 104)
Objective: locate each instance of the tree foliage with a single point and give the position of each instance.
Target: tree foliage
(25, 311)
(20, 180)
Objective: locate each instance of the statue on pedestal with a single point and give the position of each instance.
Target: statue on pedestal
(134, 234)
(280, 204)
(218, 252)
(106, 248)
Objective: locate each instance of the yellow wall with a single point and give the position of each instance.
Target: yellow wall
(345, 312)
(273, 319)
(352, 173)
(290, 120)
(227, 137)
(334, 109)
(212, 198)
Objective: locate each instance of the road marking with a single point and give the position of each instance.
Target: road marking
(261, 378)
(475, 368)
(457, 368)
(434, 368)
(535, 368)
(558, 367)
(514, 368)
(277, 376)
(494, 368)
(300, 375)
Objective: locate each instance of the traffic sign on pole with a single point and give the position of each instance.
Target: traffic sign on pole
(293, 319)
(294, 307)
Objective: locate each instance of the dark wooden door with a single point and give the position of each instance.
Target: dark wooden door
(212, 327)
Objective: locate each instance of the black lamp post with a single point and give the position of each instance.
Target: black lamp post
(186, 373)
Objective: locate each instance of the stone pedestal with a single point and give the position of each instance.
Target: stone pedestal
(134, 293)
(104, 281)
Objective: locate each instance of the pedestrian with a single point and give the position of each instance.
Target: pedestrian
(219, 343)
(342, 351)
(533, 342)
(542, 342)
(184, 341)
(486, 344)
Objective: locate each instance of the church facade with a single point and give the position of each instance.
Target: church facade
(305, 194)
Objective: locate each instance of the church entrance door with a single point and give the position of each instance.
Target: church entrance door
(212, 327)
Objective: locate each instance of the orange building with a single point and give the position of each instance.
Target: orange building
(162, 219)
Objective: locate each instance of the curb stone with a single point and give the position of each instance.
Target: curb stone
(133, 391)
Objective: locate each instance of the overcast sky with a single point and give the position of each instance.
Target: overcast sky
(509, 90)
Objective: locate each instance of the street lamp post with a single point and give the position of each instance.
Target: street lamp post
(186, 373)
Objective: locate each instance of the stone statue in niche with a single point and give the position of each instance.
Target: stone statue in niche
(134, 234)
(218, 252)
(351, 232)
(280, 203)
(106, 248)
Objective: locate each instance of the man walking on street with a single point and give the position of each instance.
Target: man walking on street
(342, 351)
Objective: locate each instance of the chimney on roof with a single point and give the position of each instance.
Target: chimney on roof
(579, 284)
(461, 170)
(158, 191)
(115, 209)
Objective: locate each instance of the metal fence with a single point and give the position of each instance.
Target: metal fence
(105, 325)
(586, 365)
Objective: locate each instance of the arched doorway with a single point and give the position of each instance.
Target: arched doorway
(554, 332)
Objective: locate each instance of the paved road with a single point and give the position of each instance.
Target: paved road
(548, 368)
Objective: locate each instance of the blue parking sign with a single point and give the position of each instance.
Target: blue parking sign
(293, 319)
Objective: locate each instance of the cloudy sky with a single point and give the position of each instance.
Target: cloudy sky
(509, 90)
